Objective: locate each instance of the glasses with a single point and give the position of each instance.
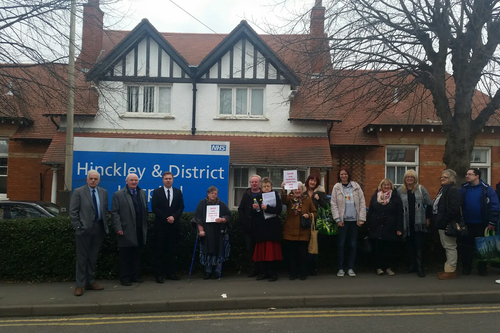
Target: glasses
(443, 177)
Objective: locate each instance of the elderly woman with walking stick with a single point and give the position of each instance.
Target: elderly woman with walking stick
(212, 217)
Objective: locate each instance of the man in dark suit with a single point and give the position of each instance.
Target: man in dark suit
(88, 211)
(167, 204)
(129, 212)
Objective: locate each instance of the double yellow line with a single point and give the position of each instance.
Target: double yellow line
(131, 319)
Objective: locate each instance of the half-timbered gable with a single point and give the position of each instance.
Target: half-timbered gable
(243, 57)
(143, 56)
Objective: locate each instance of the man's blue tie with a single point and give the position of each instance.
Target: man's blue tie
(94, 199)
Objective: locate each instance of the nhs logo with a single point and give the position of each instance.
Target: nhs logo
(218, 147)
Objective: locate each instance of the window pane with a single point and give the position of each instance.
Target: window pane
(277, 176)
(241, 101)
(257, 101)
(149, 100)
(479, 156)
(226, 101)
(391, 173)
(4, 147)
(240, 177)
(400, 173)
(484, 175)
(133, 99)
(301, 174)
(3, 185)
(263, 172)
(164, 100)
(400, 155)
(3, 162)
(238, 194)
(3, 171)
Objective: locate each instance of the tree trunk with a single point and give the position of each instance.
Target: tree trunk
(458, 149)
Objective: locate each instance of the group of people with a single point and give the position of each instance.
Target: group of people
(392, 215)
(129, 216)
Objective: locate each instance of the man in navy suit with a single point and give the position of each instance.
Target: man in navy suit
(167, 205)
(88, 211)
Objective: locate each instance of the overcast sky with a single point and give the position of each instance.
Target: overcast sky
(219, 15)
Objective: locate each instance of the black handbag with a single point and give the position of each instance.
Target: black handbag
(305, 223)
(456, 229)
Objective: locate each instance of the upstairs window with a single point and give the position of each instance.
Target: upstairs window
(241, 101)
(149, 99)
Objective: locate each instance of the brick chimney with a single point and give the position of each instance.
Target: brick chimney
(91, 36)
(317, 42)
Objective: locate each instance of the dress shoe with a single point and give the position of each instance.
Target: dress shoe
(94, 286)
(136, 280)
(273, 278)
(126, 283)
(207, 275)
(252, 274)
(448, 276)
(159, 279)
(172, 277)
(421, 273)
(261, 277)
(78, 291)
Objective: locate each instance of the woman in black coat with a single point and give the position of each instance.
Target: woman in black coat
(385, 223)
(446, 208)
(268, 234)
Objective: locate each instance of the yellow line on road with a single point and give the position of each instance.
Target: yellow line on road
(233, 316)
(266, 313)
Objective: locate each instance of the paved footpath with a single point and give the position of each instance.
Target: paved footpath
(52, 299)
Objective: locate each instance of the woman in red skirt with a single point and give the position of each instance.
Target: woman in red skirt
(268, 232)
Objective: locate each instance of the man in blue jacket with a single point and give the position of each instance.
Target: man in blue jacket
(480, 209)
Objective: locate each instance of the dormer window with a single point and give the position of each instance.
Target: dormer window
(241, 101)
(149, 99)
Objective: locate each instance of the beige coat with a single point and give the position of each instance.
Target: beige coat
(337, 203)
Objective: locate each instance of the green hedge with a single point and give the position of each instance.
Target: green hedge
(44, 250)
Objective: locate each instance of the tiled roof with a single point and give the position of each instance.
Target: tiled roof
(245, 150)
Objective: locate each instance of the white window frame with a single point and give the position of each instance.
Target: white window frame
(486, 165)
(404, 165)
(141, 98)
(5, 155)
(233, 102)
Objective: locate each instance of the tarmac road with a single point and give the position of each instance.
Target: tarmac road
(458, 319)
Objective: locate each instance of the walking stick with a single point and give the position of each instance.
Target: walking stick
(222, 255)
(192, 260)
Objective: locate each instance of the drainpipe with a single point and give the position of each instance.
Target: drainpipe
(193, 127)
(53, 194)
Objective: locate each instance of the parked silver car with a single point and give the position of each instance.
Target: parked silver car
(27, 209)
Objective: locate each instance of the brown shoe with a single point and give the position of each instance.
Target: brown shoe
(448, 276)
(78, 291)
(94, 286)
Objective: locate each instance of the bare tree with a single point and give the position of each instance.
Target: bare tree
(436, 52)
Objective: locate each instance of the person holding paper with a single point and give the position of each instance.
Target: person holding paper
(268, 233)
(296, 237)
(246, 209)
(211, 218)
(320, 200)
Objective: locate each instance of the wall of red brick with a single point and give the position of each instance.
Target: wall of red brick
(27, 178)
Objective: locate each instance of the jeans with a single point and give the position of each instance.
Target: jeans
(348, 232)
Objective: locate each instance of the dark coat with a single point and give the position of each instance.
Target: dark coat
(323, 198)
(448, 207)
(214, 232)
(245, 212)
(489, 203)
(160, 208)
(270, 229)
(384, 221)
(124, 217)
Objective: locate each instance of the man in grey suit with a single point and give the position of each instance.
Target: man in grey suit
(129, 212)
(88, 211)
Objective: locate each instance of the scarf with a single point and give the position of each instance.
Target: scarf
(296, 205)
(383, 198)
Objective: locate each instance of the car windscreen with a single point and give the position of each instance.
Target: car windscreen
(50, 207)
